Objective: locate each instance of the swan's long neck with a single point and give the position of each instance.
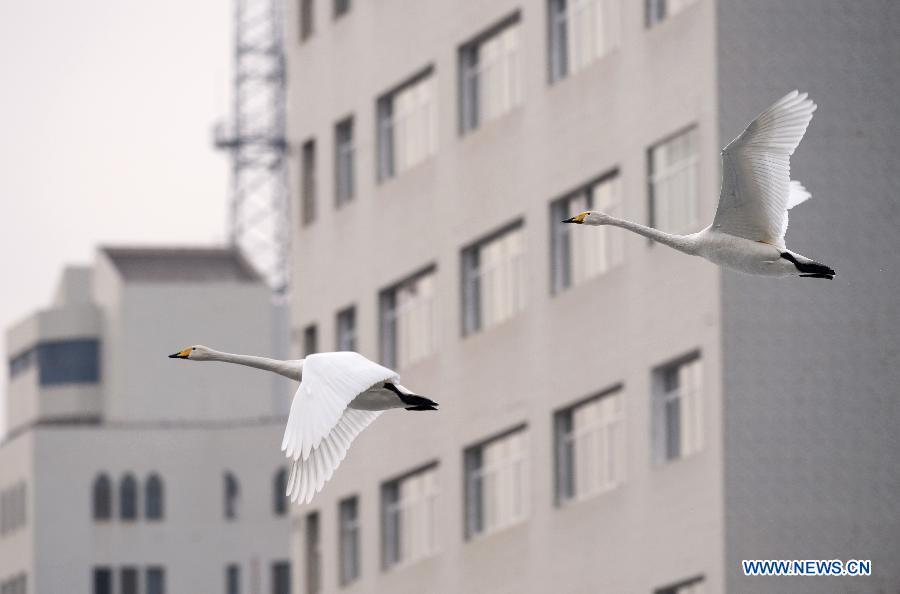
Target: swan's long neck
(682, 243)
(289, 369)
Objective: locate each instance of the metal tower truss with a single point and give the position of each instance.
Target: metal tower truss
(255, 137)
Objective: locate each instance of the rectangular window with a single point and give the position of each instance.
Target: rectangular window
(496, 484)
(69, 362)
(348, 535)
(310, 340)
(343, 162)
(307, 24)
(581, 31)
(673, 172)
(156, 580)
(346, 329)
(128, 580)
(678, 409)
(313, 554)
(308, 182)
(579, 255)
(233, 579)
(408, 320)
(493, 279)
(660, 10)
(341, 7)
(590, 447)
(692, 586)
(409, 517)
(103, 580)
(281, 577)
(407, 125)
(490, 75)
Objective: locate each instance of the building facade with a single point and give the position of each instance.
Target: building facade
(615, 416)
(123, 472)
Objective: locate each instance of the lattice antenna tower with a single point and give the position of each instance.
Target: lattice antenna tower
(255, 137)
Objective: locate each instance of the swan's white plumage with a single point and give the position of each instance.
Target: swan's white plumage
(320, 427)
(756, 186)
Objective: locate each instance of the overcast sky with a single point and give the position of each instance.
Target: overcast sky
(105, 117)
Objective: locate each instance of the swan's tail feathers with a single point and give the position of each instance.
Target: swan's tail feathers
(809, 268)
(416, 402)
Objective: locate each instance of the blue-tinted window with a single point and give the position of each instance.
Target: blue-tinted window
(153, 498)
(21, 362)
(69, 361)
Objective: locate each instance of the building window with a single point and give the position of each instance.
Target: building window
(279, 490)
(156, 580)
(581, 31)
(21, 363)
(673, 165)
(103, 580)
(313, 555)
(69, 362)
(128, 580)
(153, 498)
(307, 16)
(308, 182)
(310, 340)
(343, 162)
(578, 256)
(496, 483)
(232, 491)
(341, 7)
(493, 280)
(13, 505)
(407, 126)
(409, 517)
(15, 585)
(660, 10)
(232, 579)
(408, 320)
(490, 71)
(128, 495)
(346, 329)
(281, 577)
(678, 409)
(348, 535)
(590, 447)
(102, 498)
(692, 586)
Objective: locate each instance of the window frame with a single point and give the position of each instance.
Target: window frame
(155, 573)
(388, 339)
(346, 313)
(313, 552)
(308, 182)
(307, 19)
(652, 209)
(231, 490)
(349, 538)
(661, 439)
(129, 503)
(385, 138)
(154, 498)
(341, 8)
(390, 531)
(473, 493)
(344, 162)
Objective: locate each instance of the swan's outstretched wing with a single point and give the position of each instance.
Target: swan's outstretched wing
(756, 172)
(320, 427)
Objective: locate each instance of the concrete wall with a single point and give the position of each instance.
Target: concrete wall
(811, 375)
(17, 548)
(664, 524)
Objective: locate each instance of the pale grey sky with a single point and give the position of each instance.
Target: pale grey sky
(105, 117)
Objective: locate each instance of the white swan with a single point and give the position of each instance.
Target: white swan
(747, 233)
(339, 395)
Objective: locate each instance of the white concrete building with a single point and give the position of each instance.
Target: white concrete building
(616, 416)
(125, 472)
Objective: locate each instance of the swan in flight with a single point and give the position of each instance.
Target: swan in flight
(339, 395)
(747, 233)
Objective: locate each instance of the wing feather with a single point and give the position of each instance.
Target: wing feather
(756, 183)
(320, 427)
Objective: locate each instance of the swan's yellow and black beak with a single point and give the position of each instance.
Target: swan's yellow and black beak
(577, 219)
(182, 354)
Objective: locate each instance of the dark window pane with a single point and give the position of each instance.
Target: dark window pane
(232, 496)
(232, 579)
(279, 490)
(102, 580)
(154, 498)
(281, 577)
(390, 524)
(156, 580)
(102, 498)
(128, 498)
(341, 7)
(313, 557)
(310, 340)
(306, 19)
(308, 182)
(348, 516)
(71, 361)
(128, 583)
